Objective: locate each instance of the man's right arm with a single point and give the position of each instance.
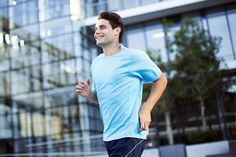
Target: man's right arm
(92, 97)
(84, 89)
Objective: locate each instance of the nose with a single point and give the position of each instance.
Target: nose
(96, 31)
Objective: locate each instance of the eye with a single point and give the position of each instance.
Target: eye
(102, 27)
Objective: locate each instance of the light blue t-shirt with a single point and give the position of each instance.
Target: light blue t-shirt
(118, 82)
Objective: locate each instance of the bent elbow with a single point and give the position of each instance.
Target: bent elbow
(165, 81)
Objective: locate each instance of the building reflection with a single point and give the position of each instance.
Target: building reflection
(39, 109)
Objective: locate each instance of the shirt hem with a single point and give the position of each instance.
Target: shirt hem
(117, 138)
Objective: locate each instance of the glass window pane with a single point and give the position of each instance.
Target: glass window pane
(53, 9)
(23, 123)
(3, 3)
(232, 24)
(20, 12)
(38, 124)
(55, 27)
(49, 52)
(114, 5)
(144, 2)
(99, 6)
(218, 27)
(35, 78)
(5, 122)
(20, 81)
(67, 72)
(59, 47)
(51, 73)
(4, 13)
(170, 35)
(33, 56)
(5, 83)
(79, 68)
(135, 38)
(27, 33)
(156, 40)
(17, 17)
(130, 4)
(17, 55)
(4, 58)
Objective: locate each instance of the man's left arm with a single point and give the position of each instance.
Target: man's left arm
(157, 90)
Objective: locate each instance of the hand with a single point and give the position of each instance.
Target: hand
(83, 88)
(144, 118)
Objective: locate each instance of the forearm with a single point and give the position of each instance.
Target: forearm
(157, 90)
(92, 97)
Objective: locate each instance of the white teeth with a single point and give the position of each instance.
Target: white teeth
(99, 37)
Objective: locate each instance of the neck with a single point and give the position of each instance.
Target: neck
(112, 49)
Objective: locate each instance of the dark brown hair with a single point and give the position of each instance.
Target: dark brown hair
(115, 21)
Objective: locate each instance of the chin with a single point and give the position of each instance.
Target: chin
(100, 44)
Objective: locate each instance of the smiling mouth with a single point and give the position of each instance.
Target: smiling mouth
(98, 37)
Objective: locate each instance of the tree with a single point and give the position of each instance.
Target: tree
(194, 75)
(198, 68)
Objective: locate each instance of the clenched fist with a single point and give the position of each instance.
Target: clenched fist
(83, 88)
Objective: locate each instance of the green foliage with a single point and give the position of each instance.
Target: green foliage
(196, 61)
(203, 137)
(194, 75)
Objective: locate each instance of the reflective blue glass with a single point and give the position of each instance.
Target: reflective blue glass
(232, 25)
(136, 38)
(218, 27)
(155, 37)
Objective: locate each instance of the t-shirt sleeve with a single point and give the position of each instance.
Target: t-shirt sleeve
(93, 87)
(146, 69)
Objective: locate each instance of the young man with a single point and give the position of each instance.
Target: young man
(117, 83)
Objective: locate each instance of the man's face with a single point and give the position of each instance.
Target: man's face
(104, 34)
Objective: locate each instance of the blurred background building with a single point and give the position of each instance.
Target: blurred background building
(46, 46)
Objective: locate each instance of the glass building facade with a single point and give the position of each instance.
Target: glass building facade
(43, 54)
(46, 47)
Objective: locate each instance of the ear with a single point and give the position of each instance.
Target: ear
(117, 30)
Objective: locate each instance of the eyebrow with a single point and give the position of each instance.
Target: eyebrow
(95, 27)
